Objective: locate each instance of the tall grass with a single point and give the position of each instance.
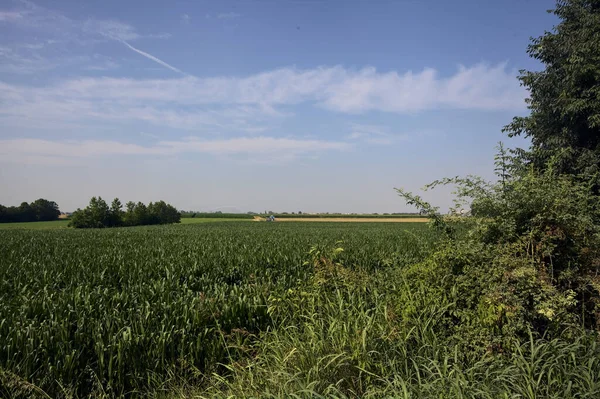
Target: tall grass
(351, 335)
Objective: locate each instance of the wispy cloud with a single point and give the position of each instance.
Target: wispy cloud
(111, 29)
(228, 15)
(83, 32)
(185, 19)
(25, 59)
(478, 87)
(102, 63)
(190, 102)
(41, 151)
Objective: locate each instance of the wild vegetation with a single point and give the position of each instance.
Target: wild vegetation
(98, 214)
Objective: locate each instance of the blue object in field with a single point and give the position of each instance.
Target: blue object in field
(271, 218)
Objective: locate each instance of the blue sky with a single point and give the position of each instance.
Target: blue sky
(312, 105)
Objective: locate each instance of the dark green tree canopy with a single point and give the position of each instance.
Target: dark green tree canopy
(565, 96)
(98, 214)
(38, 210)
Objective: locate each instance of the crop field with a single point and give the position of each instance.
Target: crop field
(357, 220)
(64, 223)
(54, 224)
(253, 310)
(122, 311)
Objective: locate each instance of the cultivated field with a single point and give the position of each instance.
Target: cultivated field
(356, 220)
(64, 223)
(54, 224)
(127, 309)
(234, 309)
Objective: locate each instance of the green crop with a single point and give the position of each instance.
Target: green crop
(121, 311)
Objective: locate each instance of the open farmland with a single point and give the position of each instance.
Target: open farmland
(254, 310)
(123, 310)
(356, 220)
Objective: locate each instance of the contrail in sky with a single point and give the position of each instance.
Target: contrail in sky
(153, 58)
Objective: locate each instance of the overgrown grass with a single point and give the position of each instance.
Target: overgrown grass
(350, 333)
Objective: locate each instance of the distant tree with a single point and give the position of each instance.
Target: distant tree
(116, 213)
(96, 215)
(140, 214)
(162, 213)
(39, 210)
(45, 210)
(128, 216)
(3, 214)
(26, 213)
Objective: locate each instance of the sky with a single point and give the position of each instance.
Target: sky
(254, 105)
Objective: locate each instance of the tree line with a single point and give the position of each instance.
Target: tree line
(98, 214)
(37, 211)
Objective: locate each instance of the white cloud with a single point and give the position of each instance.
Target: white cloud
(228, 15)
(57, 25)
(185, 19)
(189, 102)
(479, 87)
(47, 151)
(110, 28)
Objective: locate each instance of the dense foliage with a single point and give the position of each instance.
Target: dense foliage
(98, 214)
(38, 210)
(528, 261)
(122, 310)
(565, 96)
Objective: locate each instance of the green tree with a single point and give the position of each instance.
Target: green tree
(140, 215)
(96, 215)
(162, 213)
(565, 96)
(116, 213)
(128, 216)
(45, 210)
(25, 213)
